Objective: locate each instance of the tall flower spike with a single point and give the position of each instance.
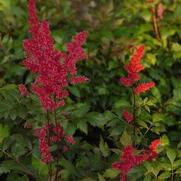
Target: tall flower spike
(133, 67)
(55, 70)
(128, 117)
(129, 160)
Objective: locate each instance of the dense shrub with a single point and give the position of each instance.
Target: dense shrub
(94, 113)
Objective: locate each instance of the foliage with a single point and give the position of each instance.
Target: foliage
(93, 111)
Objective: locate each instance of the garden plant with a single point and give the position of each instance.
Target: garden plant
(90, 90)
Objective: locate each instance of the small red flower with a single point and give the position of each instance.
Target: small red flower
(160, 10)
(128, 116)
(23, 90)
(70, 140)
(154, 145)
(127, 82)
(143, 87)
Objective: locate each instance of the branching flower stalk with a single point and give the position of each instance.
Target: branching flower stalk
(129, 159)
(55, 70)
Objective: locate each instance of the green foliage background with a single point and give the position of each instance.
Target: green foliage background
(93, 111)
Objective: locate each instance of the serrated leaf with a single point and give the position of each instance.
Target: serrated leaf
(104, 147)
(39, 166)
(111, 173)
(4, 132)
(171, 154)
(125, 139)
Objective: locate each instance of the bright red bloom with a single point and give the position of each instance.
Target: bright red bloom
(128, 117)
(133, 67)
(154, 145)
(143, 87)
(70, 140)
(23, 90)
(127, 82)
(129, 160)
(55, 69)
(41, 133)
(48, 135)
(160, 10)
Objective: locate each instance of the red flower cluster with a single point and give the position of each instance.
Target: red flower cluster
(129, 159)
(133, 68)
(47, 136)
(160, 10)
(54, 69)
(127, 116)
(41, 133)
(23, 90)
(154, 145)
(143, 87)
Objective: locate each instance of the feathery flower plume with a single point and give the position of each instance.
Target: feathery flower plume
(129, 160)
(48, 135)
(128, 117)
(143, 87)
(133, 67)
(55, 69)
(154, 145)
(160, 10)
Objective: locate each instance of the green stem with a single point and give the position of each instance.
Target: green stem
(58, 147)
(134, 114)
(48, 134)
(172, 179)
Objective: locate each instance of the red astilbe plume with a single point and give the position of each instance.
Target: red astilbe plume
(143, 87)
(129, 160)
(154, 145)
(23, 90)
(128, 117)
(41, 133)
(133, 67)
(48, 135)
(160, 10)
(55, 70)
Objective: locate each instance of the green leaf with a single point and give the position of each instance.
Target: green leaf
(171, 154)
(111, 173)
(164, 175)
(125, 139)
(177, 164)
(164, 140)
(100, 177)
(82, 125)
(4, 132)
(39, 166)
(104, 147)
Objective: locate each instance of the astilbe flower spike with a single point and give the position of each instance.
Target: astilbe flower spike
(160, 10)
(52, 67)
(129, 159)
(48, 135)
(128, 117)
(133, 67)
(143, 87)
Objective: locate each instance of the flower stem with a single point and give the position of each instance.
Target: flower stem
(134, 114)
(155, 24)
(49, 164)
(58, 147)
